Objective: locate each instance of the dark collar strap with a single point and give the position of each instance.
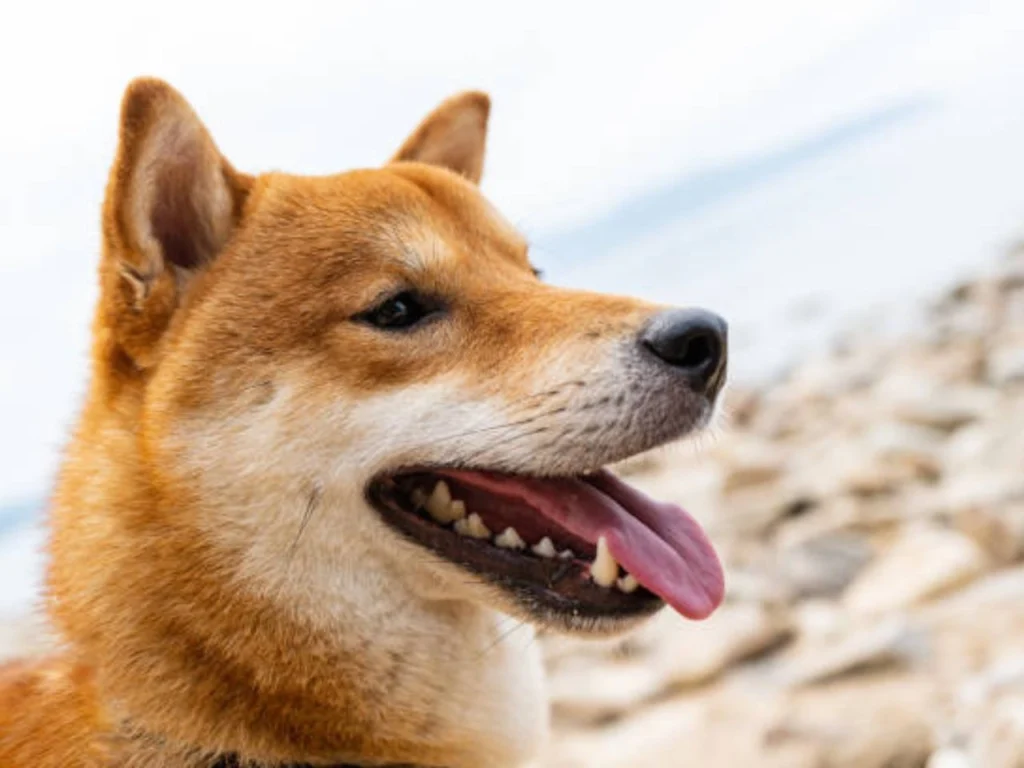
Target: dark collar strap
(232, 761)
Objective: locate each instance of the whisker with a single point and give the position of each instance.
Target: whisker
(490, 428)
(502, 637)
(494, 446)
(311, 504)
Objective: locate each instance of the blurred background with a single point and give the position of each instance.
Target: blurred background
(841, 180)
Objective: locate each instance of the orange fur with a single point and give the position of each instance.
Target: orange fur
(222, 352)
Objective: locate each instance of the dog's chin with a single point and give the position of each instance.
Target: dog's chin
(541, 616)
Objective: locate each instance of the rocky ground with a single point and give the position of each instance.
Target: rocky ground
(870, 512)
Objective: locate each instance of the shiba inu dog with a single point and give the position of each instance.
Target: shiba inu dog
(339, 435)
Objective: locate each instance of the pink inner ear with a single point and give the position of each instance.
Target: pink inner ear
(175, 222)
(453, 136)
(181, 189)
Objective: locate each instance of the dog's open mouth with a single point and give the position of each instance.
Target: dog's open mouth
(589, 545)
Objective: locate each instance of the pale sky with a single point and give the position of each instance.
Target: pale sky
(593, 104)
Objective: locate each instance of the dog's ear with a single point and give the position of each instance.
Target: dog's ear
(453, 136)
(172, 203)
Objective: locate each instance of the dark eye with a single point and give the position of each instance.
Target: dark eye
(402, 310)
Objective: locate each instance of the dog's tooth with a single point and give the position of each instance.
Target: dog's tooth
(438, 517)
(510, 539)
(544, 548)
(472, 526)
(627, 583)
(419, 498)
(439, 501)
(566, 554)
(454, 511)
(477, 527)
(604, 570)
(457, 510)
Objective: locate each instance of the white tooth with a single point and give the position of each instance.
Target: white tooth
(439, 501)
(478, 528)
(439, 517)
(473, 527)
(510, 539)
(604, 570)
(627, 583)
(544, 548)
(419, 498)
(566, 554)
(457, 509)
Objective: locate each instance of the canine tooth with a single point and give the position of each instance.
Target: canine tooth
(566, 554)
(604, 570)
(439, 501)
(627, 583)
(544, 548)
(419, 498)
(510, 539)
(473, 527)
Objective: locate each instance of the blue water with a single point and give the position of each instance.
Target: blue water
(16, 515)
(688, 196)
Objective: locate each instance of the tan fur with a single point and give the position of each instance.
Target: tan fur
(218, 580)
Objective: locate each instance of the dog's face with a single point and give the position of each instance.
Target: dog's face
(361, 377)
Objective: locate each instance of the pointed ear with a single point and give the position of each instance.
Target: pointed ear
(453, 136)
(172, 202)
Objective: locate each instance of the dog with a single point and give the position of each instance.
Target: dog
(339, 439)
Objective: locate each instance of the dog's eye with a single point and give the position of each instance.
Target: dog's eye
(402, 310)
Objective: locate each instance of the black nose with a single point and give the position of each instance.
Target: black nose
(694, 342)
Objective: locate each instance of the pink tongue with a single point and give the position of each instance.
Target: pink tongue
(659, 543)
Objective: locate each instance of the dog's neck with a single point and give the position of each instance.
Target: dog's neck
(184, 648)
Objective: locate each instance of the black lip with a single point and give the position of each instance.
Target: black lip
(544, 588)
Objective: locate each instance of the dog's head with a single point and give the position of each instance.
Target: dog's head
(361, 376)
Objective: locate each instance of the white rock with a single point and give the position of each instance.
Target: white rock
(999, 743)
(999, 530)
(668, 652)
(921, 400)
(818, 619)
(949, 757)
(1006, 365)
(893, 641)
(824, 566)
(923, 562)
(917, 447)
(749, 462)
